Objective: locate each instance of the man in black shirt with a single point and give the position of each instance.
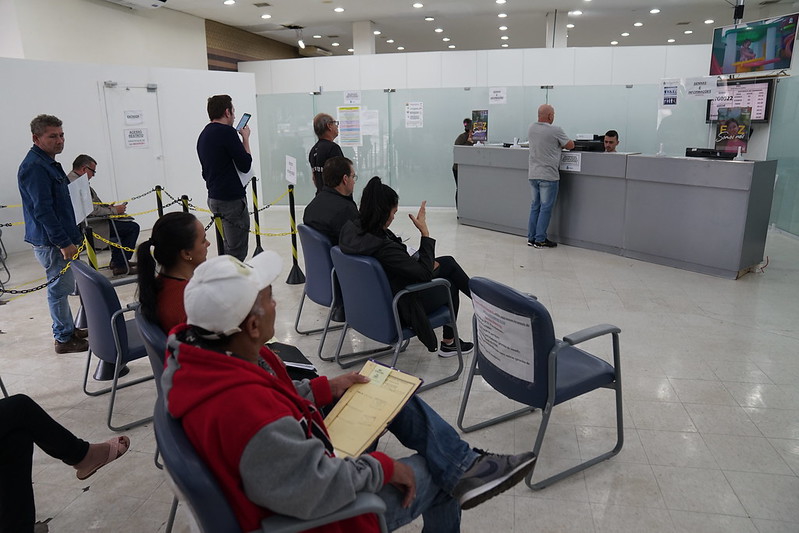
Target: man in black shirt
(326, 130)
(464, 139)
(221, 155)
(333, 206)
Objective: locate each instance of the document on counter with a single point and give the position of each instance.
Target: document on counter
(366, 409)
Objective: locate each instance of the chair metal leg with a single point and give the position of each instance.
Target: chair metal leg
(324, 329)
(3, 388)
(357, 357)
(170, 522)
(113, 390)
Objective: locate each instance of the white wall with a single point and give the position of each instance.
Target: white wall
(484, 68)
(101, 32)
(72, 92)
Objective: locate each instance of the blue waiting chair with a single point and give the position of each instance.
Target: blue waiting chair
(111, 338)
(530, 366)
(194, 484)
(321, 286)
(371, 310)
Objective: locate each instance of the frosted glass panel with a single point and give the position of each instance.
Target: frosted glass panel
(782, 146)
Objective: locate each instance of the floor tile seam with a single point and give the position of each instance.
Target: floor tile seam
(726, 480)
(749, 511)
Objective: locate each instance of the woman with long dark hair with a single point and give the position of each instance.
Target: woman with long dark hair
(369, 235)
(178, 246)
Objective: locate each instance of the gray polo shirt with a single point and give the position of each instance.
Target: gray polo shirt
(546, 142)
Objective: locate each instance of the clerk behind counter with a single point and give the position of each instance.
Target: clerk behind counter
(611, 141)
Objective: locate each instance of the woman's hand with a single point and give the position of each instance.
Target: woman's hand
(420, 220)
(339, 384)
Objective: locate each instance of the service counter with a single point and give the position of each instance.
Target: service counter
(708, 216)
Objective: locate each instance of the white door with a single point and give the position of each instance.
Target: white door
(134, 134)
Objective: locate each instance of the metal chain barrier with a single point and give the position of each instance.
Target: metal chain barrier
(49, 281)
(110, 243)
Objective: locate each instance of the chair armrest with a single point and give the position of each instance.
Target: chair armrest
(416, 287)
(365, 502)
(590, 333)
(132, 306)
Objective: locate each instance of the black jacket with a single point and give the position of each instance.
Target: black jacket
(401, 270)
(328, 212)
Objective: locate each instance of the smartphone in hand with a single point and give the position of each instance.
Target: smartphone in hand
(245, 118)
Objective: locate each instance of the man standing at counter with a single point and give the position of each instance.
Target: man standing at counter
(611, 141)
(546, 142)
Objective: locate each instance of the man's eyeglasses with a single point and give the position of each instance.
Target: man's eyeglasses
(335, 122)
(354, 177)
(94, 172)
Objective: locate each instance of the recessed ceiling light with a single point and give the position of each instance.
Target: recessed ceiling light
(317, 36)
(638, 24)
(503, 28)
(502, 15)
(451, 46)
(266, 16)
(377, 32)
(670, 40)
(614, 43)
(654, 11)
(350, 50)
(429, 19)
(334, 44)
(575, 13)
(504, 45)
(390, 41)
(570, 26)
(709, 21)
(417, 5)
(229, 2)
(439, 30)
(504, 37)
(688, 32)
(400, 48)
(446, 39)
(625, 34)
(501, 1)
(339, 10)
(587, 0)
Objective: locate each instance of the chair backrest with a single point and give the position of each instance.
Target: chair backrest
(155, 344)
(318, 265)
(195, 483)
(529, 334)
(100, 302)
(367, 295)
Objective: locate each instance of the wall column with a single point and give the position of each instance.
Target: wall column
(363, 38)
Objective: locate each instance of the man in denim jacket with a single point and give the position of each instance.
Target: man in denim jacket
(50, 225)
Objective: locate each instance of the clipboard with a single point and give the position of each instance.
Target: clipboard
(366, 409)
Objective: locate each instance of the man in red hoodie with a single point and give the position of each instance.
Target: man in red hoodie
(263, 435)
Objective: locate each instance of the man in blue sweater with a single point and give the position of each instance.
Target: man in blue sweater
(221, 153)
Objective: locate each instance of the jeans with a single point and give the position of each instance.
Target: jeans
(235, 225)
(545, 193)
(128, 233)
(442, 458)
(57, 293)
(23, 423)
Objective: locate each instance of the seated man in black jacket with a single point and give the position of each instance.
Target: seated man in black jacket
(333, 206)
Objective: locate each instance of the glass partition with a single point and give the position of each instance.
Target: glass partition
(782, 147)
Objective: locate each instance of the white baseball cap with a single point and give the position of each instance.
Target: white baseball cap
(223, 290)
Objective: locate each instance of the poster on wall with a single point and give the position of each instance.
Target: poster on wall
(732, 129)
(370, 122)
(133, 117)
(414, 114)
(480, 125)
(497, 95)
(669, 90)
(349, 126)
(352, 97)
(136, 138)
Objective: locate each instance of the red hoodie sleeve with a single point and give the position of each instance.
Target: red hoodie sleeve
(321, 391)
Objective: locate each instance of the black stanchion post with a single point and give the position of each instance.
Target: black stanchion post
(220, 234)
(296, 275)
(258, 248)
(158, 200)
(184, 200)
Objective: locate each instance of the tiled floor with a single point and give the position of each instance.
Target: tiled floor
(710, 367)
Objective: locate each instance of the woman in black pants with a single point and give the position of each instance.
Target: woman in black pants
(369, 235)
(22, 423)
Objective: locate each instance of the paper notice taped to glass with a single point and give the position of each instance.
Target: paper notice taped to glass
(505, 339)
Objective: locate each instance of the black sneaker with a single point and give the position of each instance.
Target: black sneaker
(530, 243)
(73, 345)
(545, 244)
(490, 475)
(449, 350)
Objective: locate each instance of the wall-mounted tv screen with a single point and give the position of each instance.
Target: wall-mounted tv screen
(758, 46)
(754, 93)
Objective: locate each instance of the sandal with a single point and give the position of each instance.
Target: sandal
(117, 448)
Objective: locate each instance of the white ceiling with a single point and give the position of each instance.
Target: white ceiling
(474, 24)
